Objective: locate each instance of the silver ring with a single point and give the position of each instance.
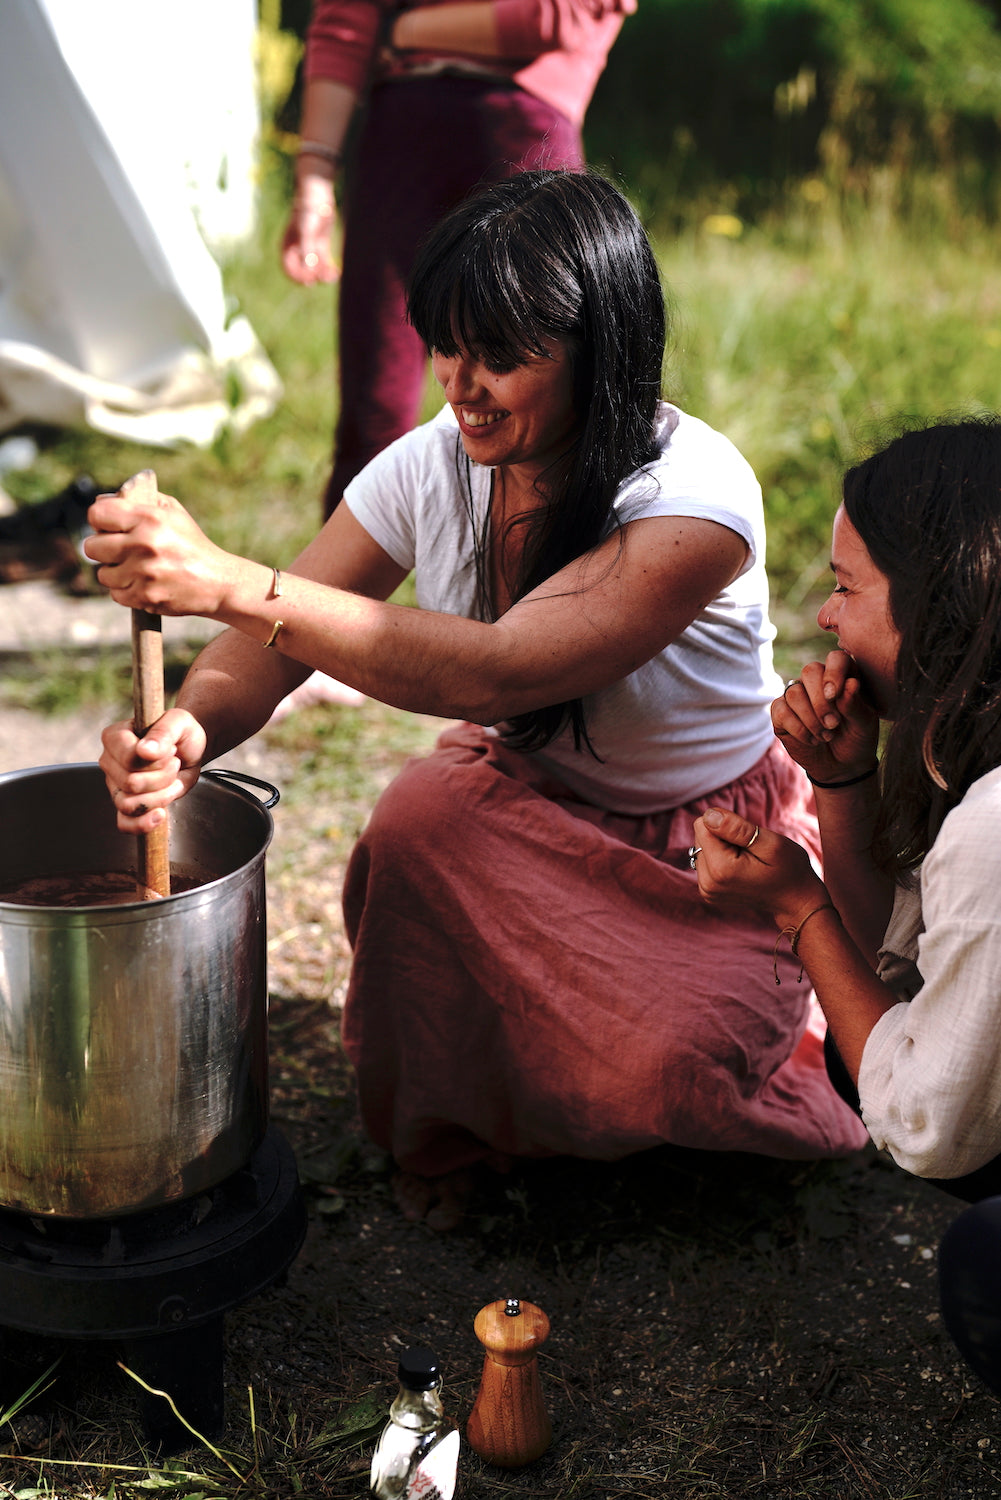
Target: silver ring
(757, 830)
(693, 855)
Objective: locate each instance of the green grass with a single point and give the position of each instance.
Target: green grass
(805, 341)
(801, 339)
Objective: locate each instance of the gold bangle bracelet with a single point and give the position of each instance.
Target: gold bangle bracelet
(276, 629)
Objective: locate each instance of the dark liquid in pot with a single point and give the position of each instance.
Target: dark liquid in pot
(84, 888)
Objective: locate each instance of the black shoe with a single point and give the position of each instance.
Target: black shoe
(45, 540)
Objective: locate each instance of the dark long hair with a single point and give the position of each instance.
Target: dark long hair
(554, 254)
(928, 508)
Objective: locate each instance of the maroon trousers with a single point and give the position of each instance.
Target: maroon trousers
(425, 144)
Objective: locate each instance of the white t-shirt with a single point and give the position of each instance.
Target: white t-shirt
(930, 1079)
(685, 723)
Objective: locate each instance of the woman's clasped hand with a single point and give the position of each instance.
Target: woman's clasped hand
(776, 875)
(826, 724)
(825, 721)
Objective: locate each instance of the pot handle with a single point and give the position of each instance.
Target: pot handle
(221, 774)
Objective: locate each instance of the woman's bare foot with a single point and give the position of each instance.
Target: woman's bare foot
(442, 1202)
(319, 688)
(439, 1202)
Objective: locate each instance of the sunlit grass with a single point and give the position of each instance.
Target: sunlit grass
(800, 339)
(804, 347)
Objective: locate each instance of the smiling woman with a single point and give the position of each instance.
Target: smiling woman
(521, 417)
(533, 971)
(858, 613)
(903, 938)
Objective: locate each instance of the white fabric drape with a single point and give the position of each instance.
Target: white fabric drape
(127, 143)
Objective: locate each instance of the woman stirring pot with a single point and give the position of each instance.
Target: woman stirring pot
(534, 972)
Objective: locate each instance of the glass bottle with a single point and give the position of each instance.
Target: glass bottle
(417, 1455)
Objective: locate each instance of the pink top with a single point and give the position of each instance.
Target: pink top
(554, 49)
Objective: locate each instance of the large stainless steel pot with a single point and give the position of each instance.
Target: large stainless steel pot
(133, 1038)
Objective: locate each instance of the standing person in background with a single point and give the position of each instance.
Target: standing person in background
(460, 93)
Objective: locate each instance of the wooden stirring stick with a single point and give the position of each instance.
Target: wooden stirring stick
(147, 706)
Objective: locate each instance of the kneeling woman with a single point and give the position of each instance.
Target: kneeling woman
(903, 943)
(533, 972)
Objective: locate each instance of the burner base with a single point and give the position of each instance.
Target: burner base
(156, 1284)
(190, 1365)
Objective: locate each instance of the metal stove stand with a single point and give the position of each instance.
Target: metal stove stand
(157, 1284)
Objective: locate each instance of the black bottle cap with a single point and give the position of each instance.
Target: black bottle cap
(418, 1369)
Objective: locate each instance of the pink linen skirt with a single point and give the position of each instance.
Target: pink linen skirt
(534, 976)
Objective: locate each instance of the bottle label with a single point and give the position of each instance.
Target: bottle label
(433, 1477)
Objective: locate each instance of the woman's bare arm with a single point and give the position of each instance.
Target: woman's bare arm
(774, 874)
(598, 619)
(826, 725)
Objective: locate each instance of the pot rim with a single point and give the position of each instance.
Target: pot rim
(226, 781)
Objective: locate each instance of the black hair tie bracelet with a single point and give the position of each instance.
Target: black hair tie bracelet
(830, 786)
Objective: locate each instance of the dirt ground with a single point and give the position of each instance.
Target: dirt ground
(720, 1325)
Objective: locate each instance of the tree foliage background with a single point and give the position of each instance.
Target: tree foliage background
(747, 95)
(703, 98)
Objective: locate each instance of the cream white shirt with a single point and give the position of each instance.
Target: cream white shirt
(930, 1079)
(691, 720)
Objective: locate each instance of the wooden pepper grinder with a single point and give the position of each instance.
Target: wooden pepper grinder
(508, 1425)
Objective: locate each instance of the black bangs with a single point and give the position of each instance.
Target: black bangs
(482, 298)
(538, 257)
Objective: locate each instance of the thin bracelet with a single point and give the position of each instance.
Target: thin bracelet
(317, 148)
(276, 593)
(830, 786)
(792, 933)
